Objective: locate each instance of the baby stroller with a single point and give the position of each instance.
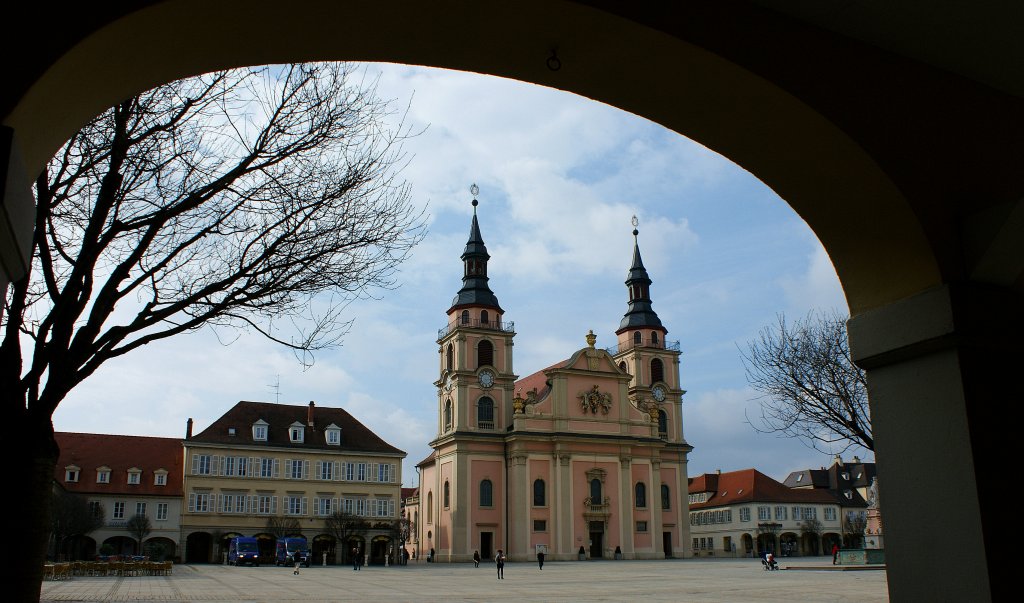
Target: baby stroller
(769, 562)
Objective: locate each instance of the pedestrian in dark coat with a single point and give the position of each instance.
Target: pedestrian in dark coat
(540, 559)
(476, 558)
(499, 560)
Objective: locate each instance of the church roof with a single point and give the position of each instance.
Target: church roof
(475, 291)
(639, 314)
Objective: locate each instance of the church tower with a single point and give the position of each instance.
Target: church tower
(475, 392)
(644, 352)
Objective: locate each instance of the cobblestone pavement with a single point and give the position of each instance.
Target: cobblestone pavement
(706, 581)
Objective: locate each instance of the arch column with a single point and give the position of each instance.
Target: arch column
(939, 367)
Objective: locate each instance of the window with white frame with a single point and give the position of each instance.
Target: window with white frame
(259, 431)
(333, 435)
(227, 503)
(297, 434)
(228, 466)
(103, 475)
(118, 511)
(323, 507)
(744, 513)
(383, 507)
(798, 514)
(385, 473)
(361, 472)
(325, 470)
(134, 477)
(161, 511)
(360, 507)
(160, 477)
(71, 474)
(764, 513)
(140, 508)
(242, 503)
(349, 472)
(266, 467)
(201, 464)
(830, 514)
(810, 513)
(96, 508)
(199, 502)
(780, 513)
(295, 505)
(265, 504)
(295, 469)
(641, 526)
(348, 506)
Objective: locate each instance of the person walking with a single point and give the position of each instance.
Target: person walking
(835, 553)
(476, 558)
(499, 560)
(355, 558)
(540, 558)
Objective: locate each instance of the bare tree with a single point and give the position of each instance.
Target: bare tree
(72, 515)
(854, 525)
(257, 199)
(811, 389)
(139, 527)
(343, 526)
(812, 527)
(281, 527)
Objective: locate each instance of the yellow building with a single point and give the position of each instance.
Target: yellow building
(270, 470)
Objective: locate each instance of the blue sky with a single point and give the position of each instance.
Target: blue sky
(560, 176)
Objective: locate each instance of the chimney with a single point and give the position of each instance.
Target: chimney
(309, 415)
(188, 429)
(718, 471)
(856, 460)
(839, 460)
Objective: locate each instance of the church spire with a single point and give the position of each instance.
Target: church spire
(475, 290)
(640, 314)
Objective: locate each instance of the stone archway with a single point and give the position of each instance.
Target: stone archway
(909, 175)
(199, 548)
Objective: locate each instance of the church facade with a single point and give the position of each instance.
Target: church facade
(585, 458)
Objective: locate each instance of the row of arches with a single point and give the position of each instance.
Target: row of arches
(83, 547)
(205, 547)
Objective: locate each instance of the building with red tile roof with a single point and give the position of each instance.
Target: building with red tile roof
(122, 476)
(586, 456)
(744, 513)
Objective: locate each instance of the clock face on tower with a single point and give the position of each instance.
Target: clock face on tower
(486, 378)
(659, 393)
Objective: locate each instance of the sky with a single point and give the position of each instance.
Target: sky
(560, 177)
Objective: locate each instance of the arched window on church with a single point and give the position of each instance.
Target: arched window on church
(595, 491)
(486, 493)
(485, 413)
(485, 354)
(657, 370)
(666, 497)
(449, 358)
(430, 507)
(465, 317)
(447, 415)
(447, 495)
(484, 317)
(641, 495)
(638, 338)
(662, 424)
(539, 493)
(654, 337)
(622, 367)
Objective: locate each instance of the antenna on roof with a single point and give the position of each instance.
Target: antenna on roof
(276, 386)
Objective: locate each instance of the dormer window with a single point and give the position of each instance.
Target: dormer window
(800, 477)
(160, 477)
(297, 433)
(259, 431)
(846, 476)
(848, 494)
(103, 475)
(134, 476)
(333, 435)
(71, 473)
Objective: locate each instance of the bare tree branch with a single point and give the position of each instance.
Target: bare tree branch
(811, 389)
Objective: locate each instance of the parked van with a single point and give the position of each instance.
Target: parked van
(244, 550)
(292, 550)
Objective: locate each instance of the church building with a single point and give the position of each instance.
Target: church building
(583, 458)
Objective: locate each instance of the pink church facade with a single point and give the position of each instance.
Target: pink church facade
(586, 455)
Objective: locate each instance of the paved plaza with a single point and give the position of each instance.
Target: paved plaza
(706, 581)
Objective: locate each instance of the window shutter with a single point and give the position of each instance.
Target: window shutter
(391, 507)
(319, 470)
(249, 469)
(305, 469)
(191, 501)
(302, 508)
(334, 505)
(215, 465)
(218, 500)
(273, 505)
(373, 472)
(394, 474)
(287, 469)
(334, 473)
(277, 467)
(195, 465)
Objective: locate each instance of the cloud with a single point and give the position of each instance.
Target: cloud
(817, 288)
